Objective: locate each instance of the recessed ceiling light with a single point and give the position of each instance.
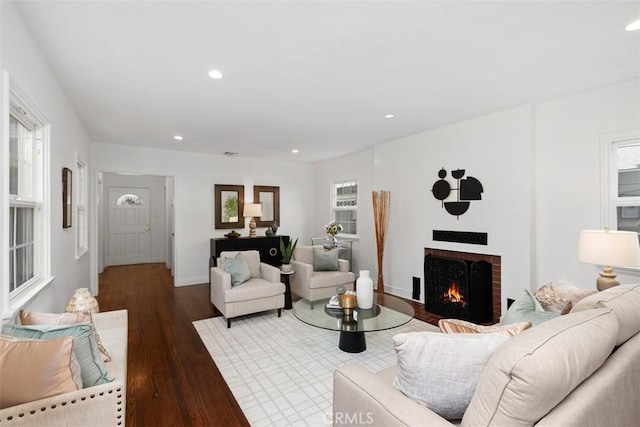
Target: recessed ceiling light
(295, 151)
(230, 153)
(388, 116)
(215, 74)
(178, 138)
(633, 26)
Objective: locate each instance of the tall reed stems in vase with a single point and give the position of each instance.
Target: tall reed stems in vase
(381, 207)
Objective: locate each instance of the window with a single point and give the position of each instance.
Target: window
(82, 240)
(345, 206)
(25, 251)
(625, 188)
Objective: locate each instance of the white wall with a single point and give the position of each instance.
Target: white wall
(23, 60)
(356, 167)
(495, 149)
(569, 133)
(194, 178)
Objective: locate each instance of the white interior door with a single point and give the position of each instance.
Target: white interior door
(128, 226)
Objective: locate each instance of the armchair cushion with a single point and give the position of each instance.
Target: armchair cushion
(238, 269)
(325, 260)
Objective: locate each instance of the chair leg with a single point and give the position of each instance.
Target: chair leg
(279, 312)
(228, 323)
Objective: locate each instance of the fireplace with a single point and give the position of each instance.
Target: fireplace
(462, 285)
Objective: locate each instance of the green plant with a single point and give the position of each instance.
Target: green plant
(287, 250)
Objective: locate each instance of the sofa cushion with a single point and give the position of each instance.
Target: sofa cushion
(85, 348)
(84, 316)
(441, 370)
(457, 326)
(325, 260)
(527, 309)
(326, 279)
(251, 257)
(238, 269)
(34, 369)
(537, 369)
(624, 300)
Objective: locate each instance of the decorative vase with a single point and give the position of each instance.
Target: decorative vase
(333, 241)
(82, 300)
(364, 290)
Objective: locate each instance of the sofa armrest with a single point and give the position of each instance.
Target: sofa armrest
(110, 320)
(300, 280)
(269, 273)
(101, 405)
(361, 395)
(220, 283)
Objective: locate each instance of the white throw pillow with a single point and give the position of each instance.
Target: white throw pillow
(441, 371)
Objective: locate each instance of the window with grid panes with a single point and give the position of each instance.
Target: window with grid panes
(345, 206)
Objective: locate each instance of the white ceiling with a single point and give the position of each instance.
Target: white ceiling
(319, 75)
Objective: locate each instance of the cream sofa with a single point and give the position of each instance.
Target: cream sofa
(101, 405)
(580, 369)
(315, 285)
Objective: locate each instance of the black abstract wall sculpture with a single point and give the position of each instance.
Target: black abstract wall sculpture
(468, 189)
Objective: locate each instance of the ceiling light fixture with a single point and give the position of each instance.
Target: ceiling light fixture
(295, 151)
(215, 74)
(633, 26)
(178, 138)
(388, 116)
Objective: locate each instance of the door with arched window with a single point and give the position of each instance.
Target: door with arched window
(128, 226)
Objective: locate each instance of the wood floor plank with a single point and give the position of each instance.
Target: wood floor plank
(172, 380)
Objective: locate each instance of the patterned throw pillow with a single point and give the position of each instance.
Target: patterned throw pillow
(457, 326)
(31, 318)
(441, 371)
(560, 298)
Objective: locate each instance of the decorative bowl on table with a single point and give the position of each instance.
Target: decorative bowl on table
(232, 234)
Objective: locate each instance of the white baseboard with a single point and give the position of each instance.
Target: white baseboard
(190, 281)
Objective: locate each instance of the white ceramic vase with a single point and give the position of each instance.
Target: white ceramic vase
(364, 290)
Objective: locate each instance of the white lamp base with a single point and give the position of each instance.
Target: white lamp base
(607, 279)
(252, 227)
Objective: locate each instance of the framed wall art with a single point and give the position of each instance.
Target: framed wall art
(228, 203)
(269, 198)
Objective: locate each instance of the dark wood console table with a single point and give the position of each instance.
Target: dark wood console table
(268, 246)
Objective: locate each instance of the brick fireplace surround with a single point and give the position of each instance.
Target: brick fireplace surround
(496, 272)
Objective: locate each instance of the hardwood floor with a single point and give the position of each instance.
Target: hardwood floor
(172, 380)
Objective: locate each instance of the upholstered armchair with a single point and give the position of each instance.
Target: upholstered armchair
(321, 282)
(241, 284)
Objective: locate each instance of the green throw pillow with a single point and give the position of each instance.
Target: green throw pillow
(527, 309)
(85, 347)
(238, 269)
(325, 260)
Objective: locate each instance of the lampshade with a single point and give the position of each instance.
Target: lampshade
(608, 247)
(252, 209)
(82, 300)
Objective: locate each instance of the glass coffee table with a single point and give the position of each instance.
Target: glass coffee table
(387, 312)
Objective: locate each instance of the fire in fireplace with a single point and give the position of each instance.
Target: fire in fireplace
(458, 288)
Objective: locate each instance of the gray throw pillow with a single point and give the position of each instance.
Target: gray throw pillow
(527, 309)
(324, 260)
(238, 269)
(441, 371)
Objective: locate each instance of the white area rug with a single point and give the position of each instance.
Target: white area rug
(280, 370)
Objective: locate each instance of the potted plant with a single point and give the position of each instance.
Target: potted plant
(287, 252)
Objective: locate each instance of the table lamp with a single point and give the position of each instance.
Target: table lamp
(252, 210)
(608, 248)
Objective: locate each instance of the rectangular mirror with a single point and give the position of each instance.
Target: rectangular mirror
(229, 200)
(269, 198)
